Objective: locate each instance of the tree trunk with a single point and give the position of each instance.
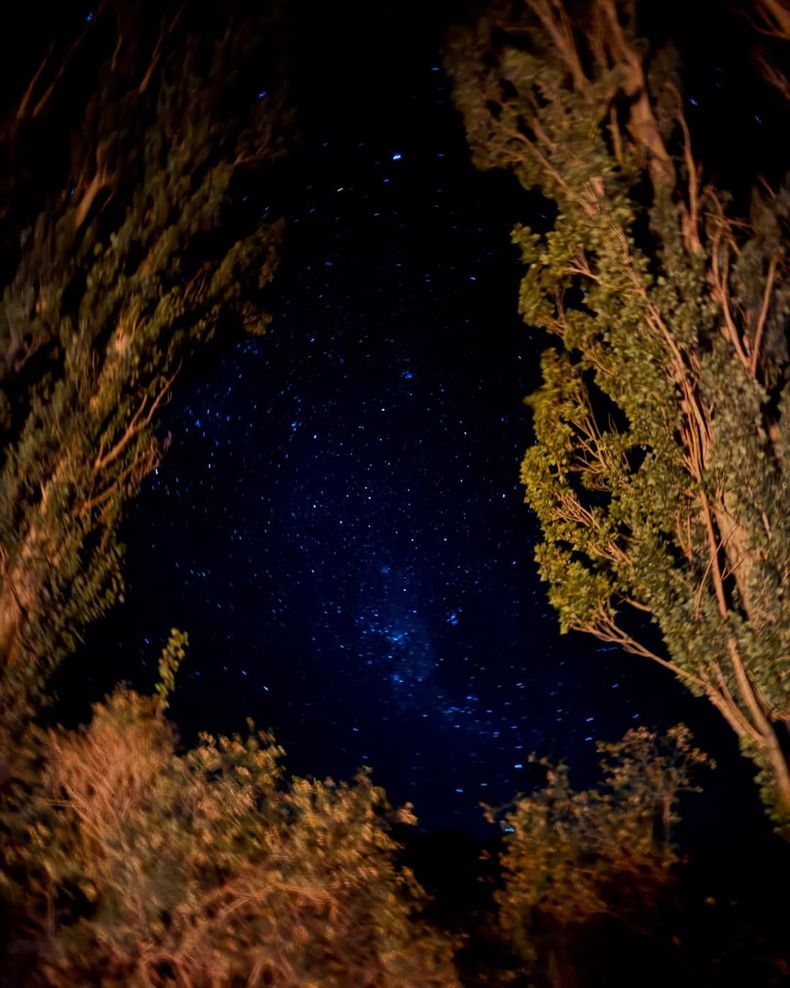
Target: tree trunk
(779, 769)
(560, 971)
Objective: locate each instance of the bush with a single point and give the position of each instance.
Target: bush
(575, 857)
(128, 862)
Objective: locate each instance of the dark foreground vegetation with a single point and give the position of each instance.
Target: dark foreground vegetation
(658, 475)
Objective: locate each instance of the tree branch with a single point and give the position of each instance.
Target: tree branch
(758, 333)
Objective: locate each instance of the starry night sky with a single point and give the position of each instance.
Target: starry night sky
(338, 522)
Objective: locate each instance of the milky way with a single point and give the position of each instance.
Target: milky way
(338, 523)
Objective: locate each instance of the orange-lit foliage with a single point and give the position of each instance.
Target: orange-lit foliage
(574, 856)
(128, 862)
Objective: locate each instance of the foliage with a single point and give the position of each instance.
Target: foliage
(172, 656)
(571, 856)
(128, 861)
(131, 258)
(659, 469)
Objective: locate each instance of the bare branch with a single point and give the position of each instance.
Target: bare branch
(141, 418)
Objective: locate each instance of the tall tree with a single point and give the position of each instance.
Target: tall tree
(135, 253)
(660, 464)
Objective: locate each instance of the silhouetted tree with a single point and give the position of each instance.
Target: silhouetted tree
(659, 471)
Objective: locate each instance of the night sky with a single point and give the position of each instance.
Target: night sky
(338, 522)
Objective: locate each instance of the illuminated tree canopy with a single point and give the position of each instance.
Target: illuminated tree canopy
(135, 862)
(659, 471)
(127, 265)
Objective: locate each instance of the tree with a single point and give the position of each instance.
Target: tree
(134, 254)
(660, 464)
(571, 856)
(127, 860)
